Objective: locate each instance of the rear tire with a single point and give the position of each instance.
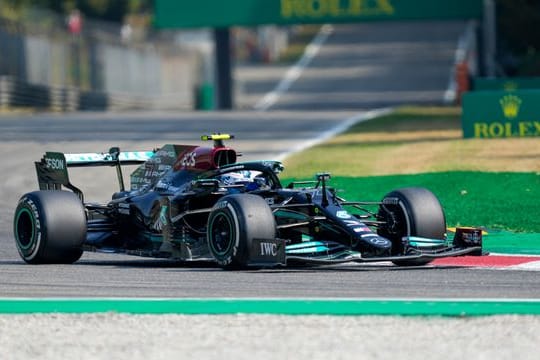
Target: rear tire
(50, 227)
(418, 213)
(233, 224)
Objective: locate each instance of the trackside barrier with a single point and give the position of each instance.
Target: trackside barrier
(5, 92)
(15, 93)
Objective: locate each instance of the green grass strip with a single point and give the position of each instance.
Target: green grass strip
(504, 201)
(273, 306)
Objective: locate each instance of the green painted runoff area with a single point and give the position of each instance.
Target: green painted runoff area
(504, 242)
(341, 307)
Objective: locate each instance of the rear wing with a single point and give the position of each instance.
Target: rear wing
(52, 169)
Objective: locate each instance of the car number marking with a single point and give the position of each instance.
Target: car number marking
(189, 160)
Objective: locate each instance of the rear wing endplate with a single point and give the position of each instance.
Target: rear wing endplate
(52, 170)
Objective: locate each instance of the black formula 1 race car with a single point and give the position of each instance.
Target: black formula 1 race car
(189, 202)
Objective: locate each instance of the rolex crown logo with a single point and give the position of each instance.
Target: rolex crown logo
(510, 105)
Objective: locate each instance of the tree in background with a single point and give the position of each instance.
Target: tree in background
(519, 36)
(133, 16)
(109, 10)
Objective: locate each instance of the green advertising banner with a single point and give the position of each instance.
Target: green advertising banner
(501, 114)
(506, 84)
(223, 13)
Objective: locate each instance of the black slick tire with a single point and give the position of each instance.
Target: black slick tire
(233, 224)
(50, 227)
(418, 213)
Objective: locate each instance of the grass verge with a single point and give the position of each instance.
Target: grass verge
(502, 201)
(414, 140)
(480, 182)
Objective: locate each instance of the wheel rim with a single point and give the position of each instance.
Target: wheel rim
(25, 229)
(221, 234)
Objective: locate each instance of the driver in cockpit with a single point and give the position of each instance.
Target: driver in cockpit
(243, 181)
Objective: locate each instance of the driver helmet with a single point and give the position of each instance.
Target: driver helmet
(251, 180)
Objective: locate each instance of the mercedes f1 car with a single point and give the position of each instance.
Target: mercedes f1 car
(189, 202)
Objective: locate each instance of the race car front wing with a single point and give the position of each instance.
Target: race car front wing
(467, 241)
(350, 256)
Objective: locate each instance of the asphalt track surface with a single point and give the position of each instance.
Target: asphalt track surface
(117, 335)
(24, 139)
(360, 67)
(357, 67)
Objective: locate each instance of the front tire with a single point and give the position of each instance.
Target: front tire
(50, 227)
(417, 213)
(233, 225)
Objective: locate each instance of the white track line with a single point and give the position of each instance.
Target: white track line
(347, 123)
(530, 266)
(292, 75)
(295, 71)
